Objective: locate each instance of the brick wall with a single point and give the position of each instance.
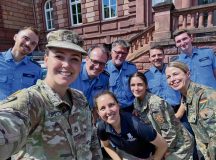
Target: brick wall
(14, 14)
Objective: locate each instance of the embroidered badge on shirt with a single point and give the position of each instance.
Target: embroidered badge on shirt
(204, 100)
(159, 118)
(28, 75)
(206, 113)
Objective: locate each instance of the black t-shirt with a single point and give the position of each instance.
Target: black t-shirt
(135, 136)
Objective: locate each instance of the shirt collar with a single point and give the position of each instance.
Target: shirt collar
(190, 92)
(194, 52)
(143, 103)
(113, 67)
(123, 124)
(52, 96)
(153, 69)
(9, 57)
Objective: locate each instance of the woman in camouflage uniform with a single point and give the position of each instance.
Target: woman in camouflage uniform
(199, 102)
(157, 112)
(50, 121)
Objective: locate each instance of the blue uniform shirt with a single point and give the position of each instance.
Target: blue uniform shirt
(90, 87)
(118, 82)
(16, 75)
(135, 136)
(157, 84)
(202, 64)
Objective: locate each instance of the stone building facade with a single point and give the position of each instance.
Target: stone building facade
(103, 21)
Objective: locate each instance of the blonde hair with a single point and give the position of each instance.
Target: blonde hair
(177, 64)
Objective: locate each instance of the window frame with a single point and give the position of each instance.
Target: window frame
(49, 11)
(116, 11)
(77, 14)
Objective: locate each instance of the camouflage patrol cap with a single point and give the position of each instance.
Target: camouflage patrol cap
(66, 39)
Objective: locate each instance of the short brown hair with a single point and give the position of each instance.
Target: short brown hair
(157, 47)
(33, 29)
(178, 32)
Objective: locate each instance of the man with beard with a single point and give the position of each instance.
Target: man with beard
(17, 71)
(120, 70)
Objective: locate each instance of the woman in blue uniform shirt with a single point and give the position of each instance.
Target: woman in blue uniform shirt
(131, 137)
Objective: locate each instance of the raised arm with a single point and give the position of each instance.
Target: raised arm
(17, 119)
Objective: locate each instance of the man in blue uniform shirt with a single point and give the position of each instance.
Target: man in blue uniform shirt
(201, 62)
(156, 77)
(120, 70)
(92, 78)
(18, 71)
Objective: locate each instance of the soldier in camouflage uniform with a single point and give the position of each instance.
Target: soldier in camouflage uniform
(200, 106)
(155, 111)
(49, 121)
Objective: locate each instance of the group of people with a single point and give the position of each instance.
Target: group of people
(168, 112)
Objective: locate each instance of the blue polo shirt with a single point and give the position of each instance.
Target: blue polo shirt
(17, 75)
(90, 87)
(202, 64)
(135, 136)
(157, 84)
(118, 82)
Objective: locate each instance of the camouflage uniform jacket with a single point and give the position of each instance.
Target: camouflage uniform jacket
(157, 112)
(39, 125)
(201, 112)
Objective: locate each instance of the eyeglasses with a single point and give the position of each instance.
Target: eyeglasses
(119, 52)
(95, 62)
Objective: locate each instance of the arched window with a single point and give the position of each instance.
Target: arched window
(109, 8)
(75, 10)
(48, 9)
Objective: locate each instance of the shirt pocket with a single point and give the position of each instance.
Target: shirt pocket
(205, 62)
(5, 84)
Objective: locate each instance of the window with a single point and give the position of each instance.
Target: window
(154, 2)
(75, 10)
(109, 9)
(48, 9)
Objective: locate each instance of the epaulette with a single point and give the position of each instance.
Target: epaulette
(205, 48)
(129, 62)
(35, 62)
(174, 58)
(146, 71)
(106, 73)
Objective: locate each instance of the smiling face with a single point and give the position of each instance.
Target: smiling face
(25, 42)
(178, 79)
(95, 62)
(108, 109)
(156, 57)
(63, 67)
(138, 87)
(184, 42)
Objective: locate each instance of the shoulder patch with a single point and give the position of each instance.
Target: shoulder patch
(206, 113)
(174, 58)
(159, 118)
(203, 100)
(35, 62)
(129, 62)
